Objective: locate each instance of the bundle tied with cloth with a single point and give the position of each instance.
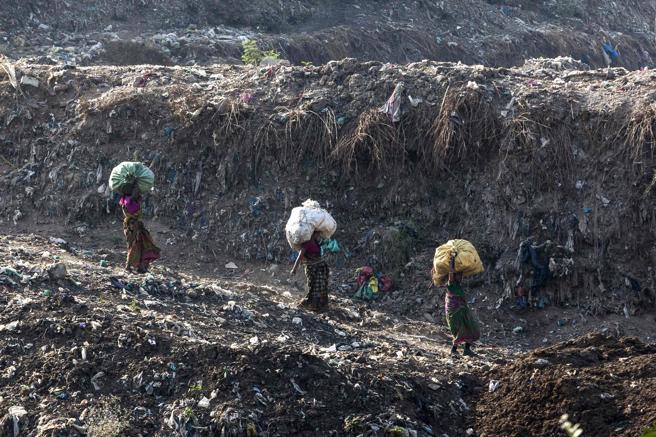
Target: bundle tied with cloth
(125, 175)
(132, 180)
(307, 219)
(467, 260)
(371, 284)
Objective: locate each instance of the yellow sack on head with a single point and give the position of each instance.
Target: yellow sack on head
(467, 262)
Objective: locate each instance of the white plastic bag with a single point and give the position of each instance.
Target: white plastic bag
(305, 220)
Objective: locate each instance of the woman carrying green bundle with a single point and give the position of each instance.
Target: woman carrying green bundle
(130, 179)
(141, 248)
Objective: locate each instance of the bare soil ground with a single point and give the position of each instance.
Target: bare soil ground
(604, 382)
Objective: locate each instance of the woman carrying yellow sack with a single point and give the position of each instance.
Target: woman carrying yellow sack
(453, 261)
(462, 324)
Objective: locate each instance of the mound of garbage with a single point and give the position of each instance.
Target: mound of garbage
(188, 32)
(89, 349)
(602, 383)
(562, 158)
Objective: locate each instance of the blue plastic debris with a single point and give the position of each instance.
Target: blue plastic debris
(168, 132)
(330, 245)
(610, 51)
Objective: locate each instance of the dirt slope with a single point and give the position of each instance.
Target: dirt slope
(561, 155)
(95, 349)
(493, 33)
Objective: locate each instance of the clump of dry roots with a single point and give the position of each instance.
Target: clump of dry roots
(640, 131)
(372, 140)
(467, 127)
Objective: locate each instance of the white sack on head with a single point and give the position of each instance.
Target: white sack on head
(305, 220)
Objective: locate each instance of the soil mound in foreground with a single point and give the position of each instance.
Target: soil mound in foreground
(604, 384)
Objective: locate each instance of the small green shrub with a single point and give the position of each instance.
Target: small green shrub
(251, 430)
(651, 432)
(396, 431)
(189, 413)
(134, 306)
(252, 54)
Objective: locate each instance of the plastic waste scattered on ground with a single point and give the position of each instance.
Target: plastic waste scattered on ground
(10, 327)
(393, 105)
(204, 403)
(541, 362)
(57, 271)
(30, 81)
(17, 413)
(330, 246)
(8, 271)
(371, 284)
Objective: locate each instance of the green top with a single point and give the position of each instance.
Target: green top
(455, 288)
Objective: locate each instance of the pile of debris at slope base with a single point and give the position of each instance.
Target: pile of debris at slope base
(602, 383)
(88, 349)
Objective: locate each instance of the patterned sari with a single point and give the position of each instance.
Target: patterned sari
(462, 324)
(317, 273)
(141, 248)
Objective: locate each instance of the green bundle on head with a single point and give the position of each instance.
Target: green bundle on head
(125, 175)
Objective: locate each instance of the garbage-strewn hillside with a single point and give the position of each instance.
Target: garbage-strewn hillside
(495, 33)
(547, 151)
(412, 123)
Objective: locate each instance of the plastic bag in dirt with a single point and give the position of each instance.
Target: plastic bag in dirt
(127, 173)
(467, 260)
(305, 220)
(330, 246)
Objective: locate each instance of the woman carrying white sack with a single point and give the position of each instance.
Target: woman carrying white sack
(306, 227)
